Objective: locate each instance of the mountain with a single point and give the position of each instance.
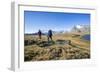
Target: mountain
(81, 29)
(45, 33)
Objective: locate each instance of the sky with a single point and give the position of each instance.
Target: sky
(56, 21)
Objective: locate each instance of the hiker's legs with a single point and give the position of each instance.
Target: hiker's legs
(51, 38)
(48, 38)
(39, 36)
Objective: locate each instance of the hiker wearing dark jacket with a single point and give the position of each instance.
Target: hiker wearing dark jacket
(49, 35)
(39, 34)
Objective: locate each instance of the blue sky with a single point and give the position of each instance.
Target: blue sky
(57, 21)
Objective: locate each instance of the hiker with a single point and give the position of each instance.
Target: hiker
(39, 33)
(49, 35)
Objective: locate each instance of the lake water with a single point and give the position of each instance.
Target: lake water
(86, 37)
